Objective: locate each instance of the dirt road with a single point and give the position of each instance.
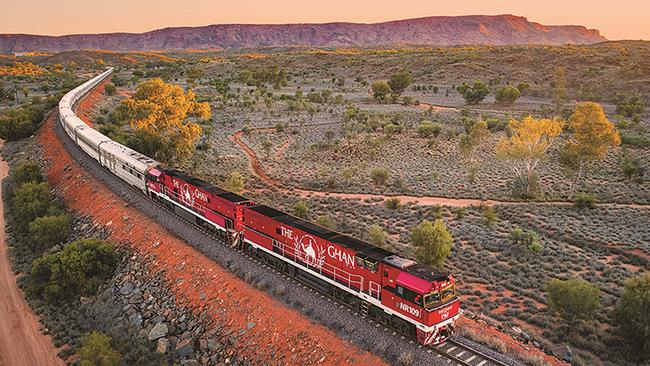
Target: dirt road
(21, 341)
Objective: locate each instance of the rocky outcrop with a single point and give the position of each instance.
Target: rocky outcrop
(478, 29)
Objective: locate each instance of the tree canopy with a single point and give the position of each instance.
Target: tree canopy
(400, 81)
(161, 112)
(433, 242)
(473, 93)
(75, 271)
(593, 135)
(528, 145)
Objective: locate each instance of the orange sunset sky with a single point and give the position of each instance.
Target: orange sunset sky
(621, 19)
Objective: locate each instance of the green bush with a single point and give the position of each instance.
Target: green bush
(379, 175)
(376, 235)
(526, 239)
(428, 129)
(96, 350)
(48, 231)
(301, 209)
(585, 200)
(21, 122)
(27, 172)
(326, 221)
(393, 203)
(433, 242)
(489, 214)
(573, 299)
(635, 139)
(631, 318)
(110, 89)
(473, 93)
(507, 95)
(75, 271)
(31, 200)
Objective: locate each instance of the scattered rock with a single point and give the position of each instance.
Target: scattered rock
(127, 288)
(184, 347)
(158, 331)
(163, 345)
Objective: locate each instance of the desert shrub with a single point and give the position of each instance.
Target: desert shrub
(507, 95)
(279, 127)
(376, 235)
(75, 271)
(432, 241)
(473, 93)
(405, 359)
(489, 215)
(631, 318)
(632, 168)
(393, 129)
(629, 105)
(380, 89)
(21, 122)
(460, 213)
(96, 350)
(635, 139)
(393, 203)
(379, 175)
(525, 239)
(437, 212)
(301, 209)
(27, 172)
(428, 129)
(584, 200)
(526, 187)
(574, 300)
(235, 182)
(48, 231)
(110, 89)
(31, 200)
(326, 221)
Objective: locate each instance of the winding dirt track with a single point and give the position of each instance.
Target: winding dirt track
(21, 341)
(258, 170)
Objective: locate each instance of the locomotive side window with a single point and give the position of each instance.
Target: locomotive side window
(372, 266)
(385, 273)
(360, 261)
(278, 231)
(409, 295)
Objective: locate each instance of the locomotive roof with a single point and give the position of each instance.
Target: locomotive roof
(362, 248)
(427, 273)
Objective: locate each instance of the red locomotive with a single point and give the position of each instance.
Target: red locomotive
(416, 299)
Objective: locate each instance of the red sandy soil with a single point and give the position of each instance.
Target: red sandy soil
(21, 341)
(258, 169)
(279, 334)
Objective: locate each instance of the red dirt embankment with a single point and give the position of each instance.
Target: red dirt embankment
(280, 335)
(84, 106)
(21, 341)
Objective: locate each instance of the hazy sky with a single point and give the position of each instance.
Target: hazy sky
(620, 19)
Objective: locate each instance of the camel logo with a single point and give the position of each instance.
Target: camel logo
(186, 195)
(307, 245)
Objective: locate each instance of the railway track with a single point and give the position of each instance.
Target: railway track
(465, 355)
(457, 354)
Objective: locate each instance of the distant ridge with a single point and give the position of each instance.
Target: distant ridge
(437, 30)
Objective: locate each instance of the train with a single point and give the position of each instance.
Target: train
(417, 300)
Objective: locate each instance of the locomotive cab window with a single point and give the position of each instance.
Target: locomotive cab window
(360, 262)
(371, 264)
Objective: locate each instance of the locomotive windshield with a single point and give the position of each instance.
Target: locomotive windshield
(436, 298)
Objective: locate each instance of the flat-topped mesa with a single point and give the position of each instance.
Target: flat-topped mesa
(437, 30)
